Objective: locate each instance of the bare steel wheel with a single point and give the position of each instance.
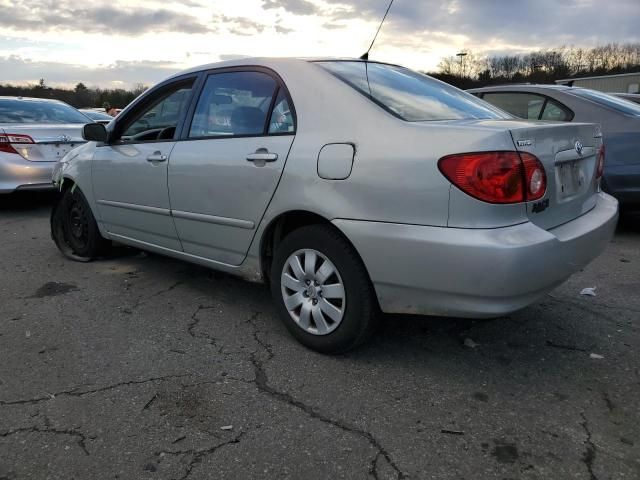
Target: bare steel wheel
(313, 291)
(74, 228)
(322, 290)
(76, 225)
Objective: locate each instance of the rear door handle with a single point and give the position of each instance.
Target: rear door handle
(262, 155)
(157, 157)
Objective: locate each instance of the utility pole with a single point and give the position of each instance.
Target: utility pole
(461, 55)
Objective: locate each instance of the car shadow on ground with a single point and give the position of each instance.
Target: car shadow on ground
(629, 220)
(20, 202)
(550, 325)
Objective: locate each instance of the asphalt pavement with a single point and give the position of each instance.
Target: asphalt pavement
(144, 367)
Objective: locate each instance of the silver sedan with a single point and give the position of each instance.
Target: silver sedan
(619, 118)
(34, 134)
(351, 187)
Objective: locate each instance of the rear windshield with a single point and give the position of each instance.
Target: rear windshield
(410, 95)
(28, 111)
(619, 104)
(94, 115)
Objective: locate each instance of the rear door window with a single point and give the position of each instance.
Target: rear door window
(237, 104)
(282, 120)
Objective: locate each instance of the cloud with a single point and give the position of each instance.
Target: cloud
(283, 30)
(296, 7)
(233, 56)
(543, 23)
(18, 71)
(59, 39)
(239, 25)
(48, 15)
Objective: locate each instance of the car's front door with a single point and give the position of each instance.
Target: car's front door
(130, 172)
(224, 173)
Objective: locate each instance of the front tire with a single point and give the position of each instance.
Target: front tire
(322, 290)
(74, 228)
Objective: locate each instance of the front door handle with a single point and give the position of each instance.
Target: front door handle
(262, 155)
(157, 157)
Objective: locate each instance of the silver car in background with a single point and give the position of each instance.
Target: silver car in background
(619, 118)
(632, 97)
(350, 186)
(34, 134)
(97, 115)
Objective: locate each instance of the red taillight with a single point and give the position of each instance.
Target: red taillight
(7, 139)
(600, 161)
(496, 177)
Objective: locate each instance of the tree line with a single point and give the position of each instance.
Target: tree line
(80, 97)
(468, 70)
(465, 70)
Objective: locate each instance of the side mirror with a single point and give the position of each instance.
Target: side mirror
(94, 132)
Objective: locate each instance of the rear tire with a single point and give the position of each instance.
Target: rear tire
(322, 291)
(74, 228)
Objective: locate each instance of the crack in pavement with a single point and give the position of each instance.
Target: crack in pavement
(198, 455)
(572, 348)
(75, 393)
(195, 321)
(587, 307)
(74, 433)
(607, 399)
(262, 382)
(373, 468)
(141, 301)
(589, 455)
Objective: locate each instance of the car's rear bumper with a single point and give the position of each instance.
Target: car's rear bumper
(476, 273)
(16, 173)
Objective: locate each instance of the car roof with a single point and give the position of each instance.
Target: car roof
(31, 99)
(269, 62)
(523, 87)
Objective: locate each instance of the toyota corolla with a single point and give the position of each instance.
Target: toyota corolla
(351, 187)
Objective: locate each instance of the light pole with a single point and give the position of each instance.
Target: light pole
(461, 55)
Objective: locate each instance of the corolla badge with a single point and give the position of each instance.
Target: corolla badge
(64, 138)
(579, 147)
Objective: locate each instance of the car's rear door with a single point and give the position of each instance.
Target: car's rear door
(225, 171)
(130, 172)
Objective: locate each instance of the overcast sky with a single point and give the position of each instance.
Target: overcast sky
(121, 43)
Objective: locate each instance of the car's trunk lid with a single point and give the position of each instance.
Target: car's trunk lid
(51, 142)
(568, 152)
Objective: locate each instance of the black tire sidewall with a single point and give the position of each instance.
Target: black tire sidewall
(95, 244)
(360, 307)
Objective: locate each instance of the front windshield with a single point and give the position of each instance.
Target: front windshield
(42, 112)
(617, 103)
(412, 96)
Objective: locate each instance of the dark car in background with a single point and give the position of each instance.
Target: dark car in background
(619, 119)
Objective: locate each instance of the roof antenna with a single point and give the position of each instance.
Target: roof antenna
(365, 56)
